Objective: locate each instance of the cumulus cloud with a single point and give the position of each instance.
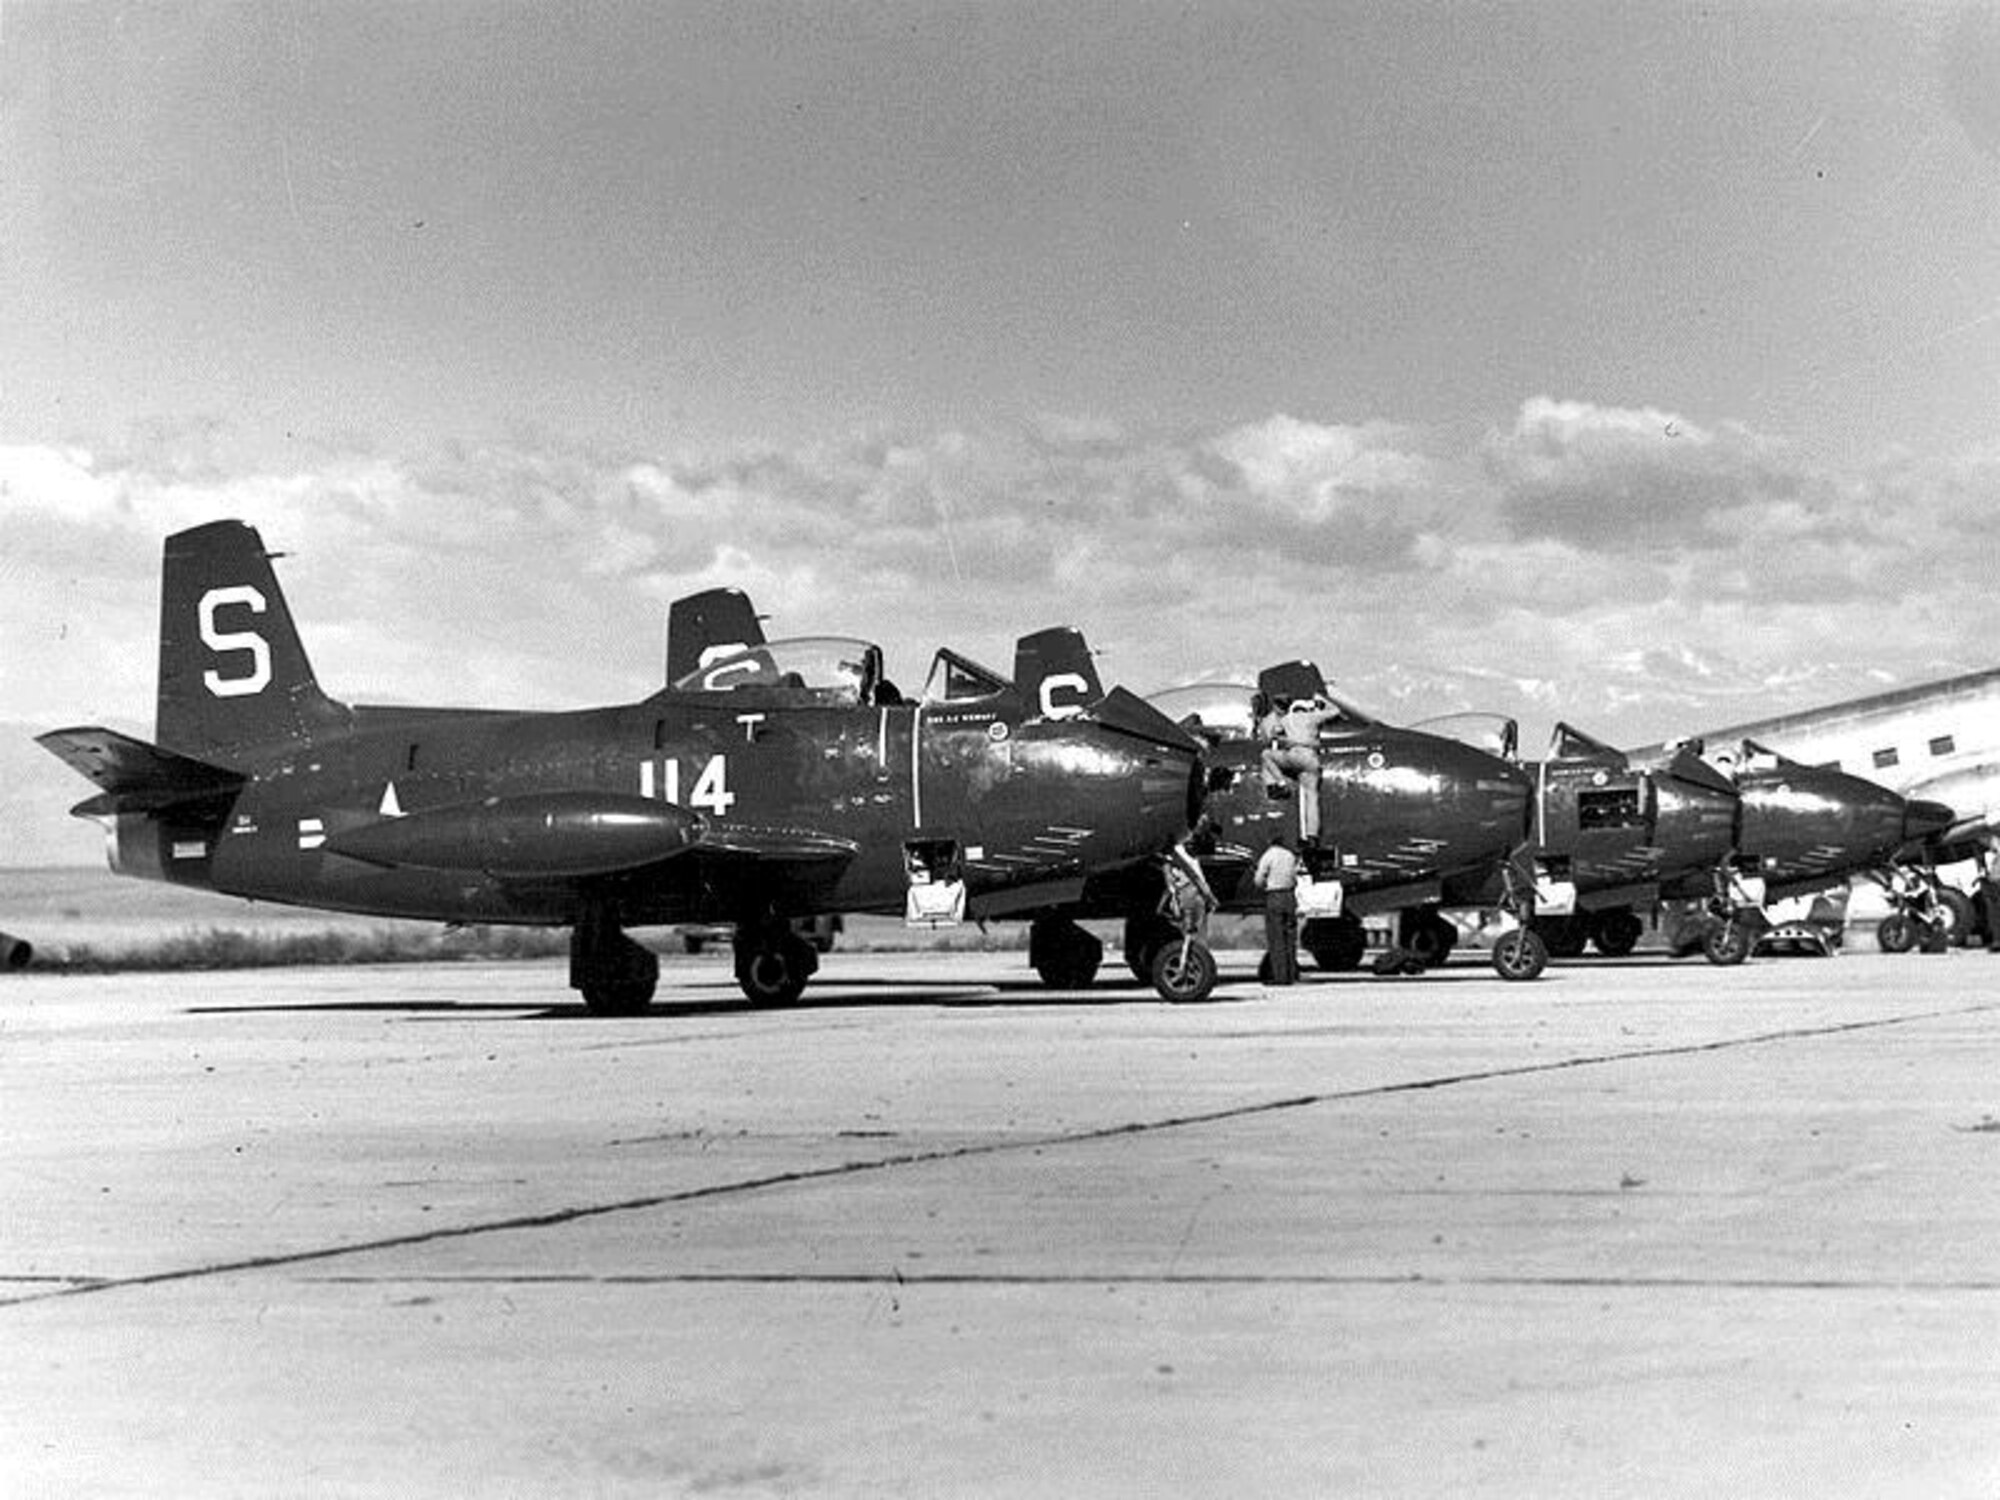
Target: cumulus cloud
(1611, 479)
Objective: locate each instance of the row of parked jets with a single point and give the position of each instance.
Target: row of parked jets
(773, 781)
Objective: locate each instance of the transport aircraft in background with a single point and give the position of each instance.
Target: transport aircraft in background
(1936, 741)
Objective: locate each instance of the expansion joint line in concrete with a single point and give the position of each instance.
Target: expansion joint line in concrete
(555, 1218)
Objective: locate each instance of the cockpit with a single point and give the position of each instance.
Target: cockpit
(1226, 710)
(1496, 734)
(806, 671)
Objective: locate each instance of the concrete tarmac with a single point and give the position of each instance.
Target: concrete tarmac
(1635, 1229)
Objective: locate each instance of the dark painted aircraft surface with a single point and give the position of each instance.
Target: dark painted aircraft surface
(1410, 822)
(1802, 829)
(768, 784)
(1056, 681)
(1725, 831)
(1612, 834)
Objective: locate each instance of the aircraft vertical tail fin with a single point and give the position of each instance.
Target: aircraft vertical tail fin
(1054, 672)
(233, 672)
(703, 626)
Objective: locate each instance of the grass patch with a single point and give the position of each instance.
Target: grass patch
(233, 948)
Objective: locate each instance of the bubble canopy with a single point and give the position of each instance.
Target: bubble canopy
(1224, 707)
(834, 670)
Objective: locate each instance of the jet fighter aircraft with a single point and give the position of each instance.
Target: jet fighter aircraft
(1411, 817)
(772, 783)
(1799, 829)
(1608, 833)
(1724, 832)
(1410, 821)
(714, 634)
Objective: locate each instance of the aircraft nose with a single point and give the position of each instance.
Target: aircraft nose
(1925, 819)
(1497, 792)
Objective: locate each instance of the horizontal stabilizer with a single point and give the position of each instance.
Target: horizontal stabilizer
(562, 834)
(136, 777)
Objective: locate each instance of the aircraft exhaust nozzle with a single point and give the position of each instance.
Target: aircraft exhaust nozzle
(541, 834)
(15, 953)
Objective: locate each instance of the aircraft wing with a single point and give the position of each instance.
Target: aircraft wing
(136, 776)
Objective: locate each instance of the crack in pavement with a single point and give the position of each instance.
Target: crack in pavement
(555, 1218)
(1166, 1279)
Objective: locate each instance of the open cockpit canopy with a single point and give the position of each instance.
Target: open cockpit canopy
(805, 671)
(1570, 743)
(1220, 708)
(959, 679)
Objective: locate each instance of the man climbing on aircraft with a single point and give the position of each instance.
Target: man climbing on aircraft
(1293, 754)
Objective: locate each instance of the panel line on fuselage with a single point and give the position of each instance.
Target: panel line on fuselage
(916, 768)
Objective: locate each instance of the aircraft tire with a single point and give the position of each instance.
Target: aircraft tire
(1064, 954)
(1895, 933)
(1337, 944)
(1617, 933)
(1520, 955)
(615, 975)
(1726, 942)
(1431, 939)
(15, 953)
(1144, 937)
(1184, 972)
(1564, 937)
(776, 975)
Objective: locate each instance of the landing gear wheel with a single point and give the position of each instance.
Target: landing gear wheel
(1184, 972)
(1726, 942)
(615, 975)
(775, 973)
(1563, 937)
(1431, 939)
(1144, 937)
(1896, 933)
(1337, 944)
(1617, 933)
(1520, 954)
(1063, 954)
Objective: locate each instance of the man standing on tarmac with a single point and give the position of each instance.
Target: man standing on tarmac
(1989, 891)
(1277, 876)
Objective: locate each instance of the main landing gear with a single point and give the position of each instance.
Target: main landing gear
(773, 962)
(1614, 932)
(616, 975)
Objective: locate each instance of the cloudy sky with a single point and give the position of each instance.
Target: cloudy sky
(1634, 364)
